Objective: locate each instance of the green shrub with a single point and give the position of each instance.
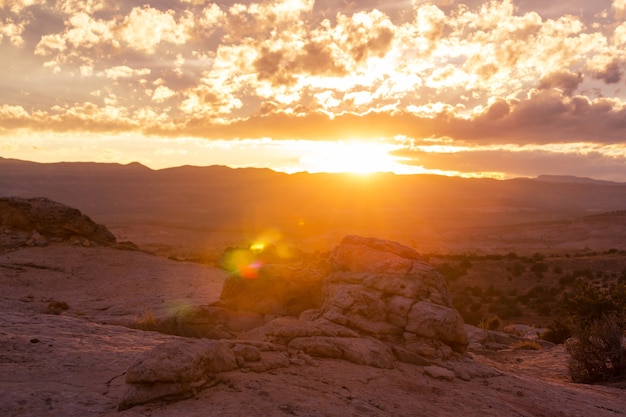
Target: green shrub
(517, 269)
(558, 332)
(494, 323)
(56, 307)
(597, 320)
(596, 351)
(539, 268)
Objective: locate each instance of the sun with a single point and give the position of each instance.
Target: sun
(351, 156)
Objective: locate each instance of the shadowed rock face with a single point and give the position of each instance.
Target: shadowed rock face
(279, 290)
(32, 221)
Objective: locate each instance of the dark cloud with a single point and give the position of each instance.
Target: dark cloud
(314, 59)
(545, 117)
(611, 74)
(377, 45)
(524, 163)
(317, 59)
(566, 81)
(269, 67)
(499, 109)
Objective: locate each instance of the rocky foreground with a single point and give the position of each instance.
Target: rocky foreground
(369, 332)
(73, 364)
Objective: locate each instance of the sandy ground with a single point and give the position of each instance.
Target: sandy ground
(73, 364)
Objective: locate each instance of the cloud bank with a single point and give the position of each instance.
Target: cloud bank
(471, 74)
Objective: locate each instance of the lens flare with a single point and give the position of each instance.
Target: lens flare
(243, 262)
(268, 248)
(258, 247)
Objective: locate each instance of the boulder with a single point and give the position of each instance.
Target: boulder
(438, 322)
(385, 290)
(382, 302)
(43, 219)
(182, 360)
(176, 369)
(483, 339)
(180, 368)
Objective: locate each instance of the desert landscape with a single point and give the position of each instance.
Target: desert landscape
(211, 291)
(313, 208)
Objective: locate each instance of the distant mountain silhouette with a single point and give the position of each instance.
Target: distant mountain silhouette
(574, 179)
(216, 201)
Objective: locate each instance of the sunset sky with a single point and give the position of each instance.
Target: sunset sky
(474, 88)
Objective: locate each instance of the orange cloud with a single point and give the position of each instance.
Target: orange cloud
(145, 28)
(299, 69)
(519, 162)
(12, 31)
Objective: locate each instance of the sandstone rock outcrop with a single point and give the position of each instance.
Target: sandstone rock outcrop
(381, 304)
(35, 221)
(181, 367)
(386, 290)
(382, 292)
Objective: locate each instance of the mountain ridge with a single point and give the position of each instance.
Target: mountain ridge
(211, 202)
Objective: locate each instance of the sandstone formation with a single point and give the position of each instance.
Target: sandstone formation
(75, 363)
(176, 369)
(381, 298)
(37, 221)
(386, 290)
(377, 288)
(179, 368)
(381, 304)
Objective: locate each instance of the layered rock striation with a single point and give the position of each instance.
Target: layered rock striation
(387, 291)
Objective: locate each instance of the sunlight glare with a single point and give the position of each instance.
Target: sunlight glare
(358, 157)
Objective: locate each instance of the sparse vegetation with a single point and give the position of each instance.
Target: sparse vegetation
(539, 268)
(596, 319)
(454, 272)
(494, 324)
(597, 350)
(56, 307)
(558, 332)
(505, 285)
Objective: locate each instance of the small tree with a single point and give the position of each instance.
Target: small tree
(597, 351)
(597, 320)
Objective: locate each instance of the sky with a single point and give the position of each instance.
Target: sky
(502, 89)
